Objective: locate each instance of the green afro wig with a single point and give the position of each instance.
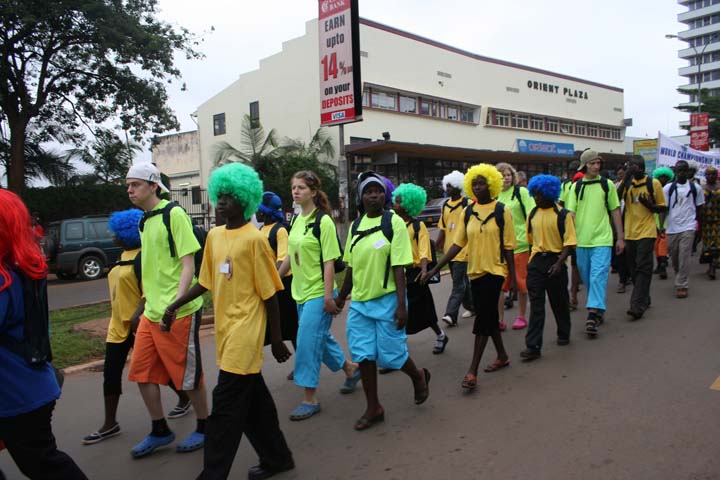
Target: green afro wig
(664, 172)
(239, 181)
(412, 198)
(492, 175)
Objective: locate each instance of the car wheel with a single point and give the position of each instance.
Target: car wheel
(65, 276)
(90, 268)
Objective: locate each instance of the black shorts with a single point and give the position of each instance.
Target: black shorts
(485, 295)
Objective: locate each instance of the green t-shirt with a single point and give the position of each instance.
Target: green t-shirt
(368, 258)
(304, 251)
(592, 222)
(565, 187)
(161, 272)
(519, 220)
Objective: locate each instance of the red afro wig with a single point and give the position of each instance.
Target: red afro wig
(18, 247)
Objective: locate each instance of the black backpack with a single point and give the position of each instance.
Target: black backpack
(137, 268)
(516, 194)
(272, 235)
(499, 215)
(385, 227)
(200, 233)
(338, 264)
(648, 184)
(35, 347)
(433, 251)
(561, 216)
(673, 189)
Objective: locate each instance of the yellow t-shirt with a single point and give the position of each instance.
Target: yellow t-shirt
(483, 242)
(368, 258)
(239, 301)
(639, 221)
(282, 243)
(124, 297)
(421, 248)
(544, 235)
(452, 215)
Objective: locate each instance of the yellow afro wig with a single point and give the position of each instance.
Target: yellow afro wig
(492, 175)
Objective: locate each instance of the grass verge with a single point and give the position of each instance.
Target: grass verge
(70, 347)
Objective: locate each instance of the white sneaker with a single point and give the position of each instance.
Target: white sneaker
(448, 319)
(468, 314)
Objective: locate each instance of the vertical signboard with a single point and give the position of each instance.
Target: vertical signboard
(699, 131)
(340, 84)
(648, 149)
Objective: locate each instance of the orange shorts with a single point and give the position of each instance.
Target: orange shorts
(159, 357)
(521, 264)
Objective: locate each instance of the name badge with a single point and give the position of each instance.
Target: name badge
(379, 244)
(452, 226)
(225, 268)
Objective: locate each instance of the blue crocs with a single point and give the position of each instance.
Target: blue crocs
(150, 443)
(194, 441)
(350, 383)
(304, 411)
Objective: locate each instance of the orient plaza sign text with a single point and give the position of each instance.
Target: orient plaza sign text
(557, 89)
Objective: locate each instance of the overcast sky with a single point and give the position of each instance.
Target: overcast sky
(616, 42)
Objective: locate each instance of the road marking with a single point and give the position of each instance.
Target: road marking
(715, 385)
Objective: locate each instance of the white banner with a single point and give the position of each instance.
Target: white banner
(669, 152)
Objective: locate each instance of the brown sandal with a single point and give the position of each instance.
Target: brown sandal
(469, 382)
(423, 395)
(497, 365)
(364, 422)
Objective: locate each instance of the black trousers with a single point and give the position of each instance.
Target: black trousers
(115, 358)
(538, 284)
(242, 404)
(31, 444)
(639, 255)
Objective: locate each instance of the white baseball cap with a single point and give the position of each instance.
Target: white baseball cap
(146, 171)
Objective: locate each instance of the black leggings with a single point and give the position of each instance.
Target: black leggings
(115, 357)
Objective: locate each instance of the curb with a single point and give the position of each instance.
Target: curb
(82, 305)
(207, 323)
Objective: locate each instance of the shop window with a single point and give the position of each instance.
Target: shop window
(552, 126)
(219, 124)
(408, 104)
(384, 100)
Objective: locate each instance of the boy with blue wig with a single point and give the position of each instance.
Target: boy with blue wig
(551, 234)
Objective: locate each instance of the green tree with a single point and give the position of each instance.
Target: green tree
(708, 104)
(40, 163)
(256, 149)
(69, 63)
(109, 157)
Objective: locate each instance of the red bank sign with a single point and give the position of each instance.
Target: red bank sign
(699, 133)
(340, 84)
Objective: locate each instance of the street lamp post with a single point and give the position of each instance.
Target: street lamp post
(699, 58)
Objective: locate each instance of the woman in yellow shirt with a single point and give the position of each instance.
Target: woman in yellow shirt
(490, 260)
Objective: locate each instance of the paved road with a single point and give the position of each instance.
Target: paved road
(69, 293)
(633, 404)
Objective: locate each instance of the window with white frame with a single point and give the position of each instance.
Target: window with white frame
(537, 123)
(581, 129)
(519, 121)
(552, 125)
(567, 128)
(452, 112)
(592, 131)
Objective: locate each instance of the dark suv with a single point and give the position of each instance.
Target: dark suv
(80, 246)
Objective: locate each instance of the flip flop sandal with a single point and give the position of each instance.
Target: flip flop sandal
(304, 411)
(497, 365)
(350, 383)
(150, 443)
(195, 441)
(97, 437)
(364, 422)
(421, 397)
(469, 382)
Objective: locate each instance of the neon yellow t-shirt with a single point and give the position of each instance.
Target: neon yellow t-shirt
(282, 243)
(516, 211)
(545, 236)
(483, 242)
(420, 249)
(567, 186)
(124, 297)
(369, 256)
(592, 222)
(161, 272)
(304, 251)
(639, 221)
(452, 215)
(239, 301)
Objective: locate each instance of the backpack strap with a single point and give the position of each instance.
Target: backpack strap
(416, 229)
(499, 214)
(604, 184)
(463, 203)
(385, 227)
(518, 194)
(561, 217)
(165, 211)
(272, 235)
(530, 219)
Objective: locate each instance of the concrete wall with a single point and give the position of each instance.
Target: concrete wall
(178, 157)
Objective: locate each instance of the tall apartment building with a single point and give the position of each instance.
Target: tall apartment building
(703, 48)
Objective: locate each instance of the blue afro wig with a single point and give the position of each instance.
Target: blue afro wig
(412, 198)
(546, 185)
(240, 182)
(125, 226)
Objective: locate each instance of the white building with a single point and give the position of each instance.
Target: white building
(702, 20)
(442, 107)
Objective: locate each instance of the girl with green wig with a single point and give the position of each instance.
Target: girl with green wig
(239, 269)
(408, 200)
(490, 245)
